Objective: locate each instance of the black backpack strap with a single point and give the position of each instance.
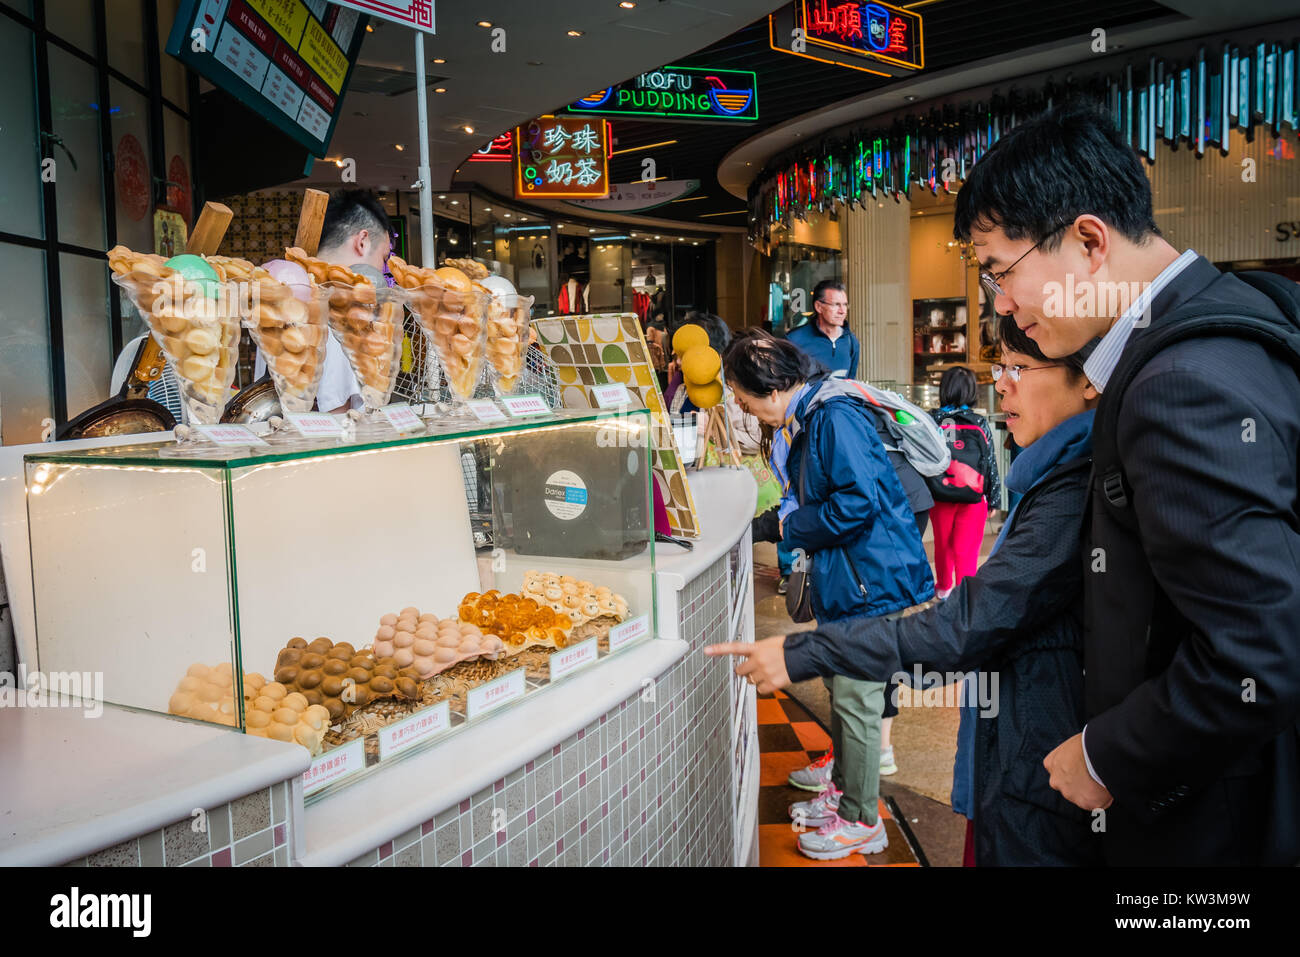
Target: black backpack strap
(1279, 337)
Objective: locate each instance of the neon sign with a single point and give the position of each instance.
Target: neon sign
(562, 157)
(873, 29)
(498, 151)
(679, 92)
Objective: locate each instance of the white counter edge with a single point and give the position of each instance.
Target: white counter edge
(364, 815)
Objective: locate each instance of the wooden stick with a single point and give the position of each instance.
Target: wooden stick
(311, 220)
(209, 230)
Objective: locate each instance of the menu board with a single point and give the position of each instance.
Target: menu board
(287, 60)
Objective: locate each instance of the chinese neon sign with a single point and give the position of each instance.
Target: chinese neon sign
(562, 157)
(876, 30)
(679, 92)
(500, 150)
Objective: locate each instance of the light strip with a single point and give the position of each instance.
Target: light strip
(734, 212)
(634, 149)
(688, 199)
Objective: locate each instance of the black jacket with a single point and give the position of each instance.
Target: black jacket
(1194, 690)
(1020, 617)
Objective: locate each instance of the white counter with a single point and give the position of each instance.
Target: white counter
(73, 784)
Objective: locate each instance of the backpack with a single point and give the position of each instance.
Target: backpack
(1120, 622)
(965, 479)
(906, 428)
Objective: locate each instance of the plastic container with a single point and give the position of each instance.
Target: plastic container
(368, 324)
(290, 325)
(508, 317)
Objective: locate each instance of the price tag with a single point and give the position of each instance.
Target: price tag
(315, 425)
(402, 417)
(628, 632)
(570, 659)
(489, 697)
(425, 724)
(612, 396)
(334, 765)
(485, 410)
(518, 405)
(228, 434)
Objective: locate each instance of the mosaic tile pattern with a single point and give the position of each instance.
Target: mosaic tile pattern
(251, 831)
(633, 788)
(609, 347)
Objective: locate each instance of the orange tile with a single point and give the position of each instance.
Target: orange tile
(811, 735)
(770, 712)
(775, 766)
(779, 694)
(883, 810)
(778, 847)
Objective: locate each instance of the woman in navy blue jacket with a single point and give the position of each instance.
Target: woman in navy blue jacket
(854, 523)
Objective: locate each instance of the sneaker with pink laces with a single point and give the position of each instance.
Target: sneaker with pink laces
(818, 811)
(816, 776)
(840, 838)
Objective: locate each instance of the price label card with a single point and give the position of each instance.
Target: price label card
(570, 659)
(518, 405)
(421, 726)
(628, 632)
(485, 410)
(335, 765)
(402, 417)
(612, 396)
(315, 425)
(494, 694)
(228, 434)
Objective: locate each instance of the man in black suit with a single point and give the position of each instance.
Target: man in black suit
(1191, 751)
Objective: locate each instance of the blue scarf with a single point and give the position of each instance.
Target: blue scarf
(1070, 440)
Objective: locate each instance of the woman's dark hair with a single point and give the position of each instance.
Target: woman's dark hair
(1010, 337)
(760, 363)
(957, 387)
(1052, 169)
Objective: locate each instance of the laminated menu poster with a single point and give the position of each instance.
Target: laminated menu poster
(598, 350)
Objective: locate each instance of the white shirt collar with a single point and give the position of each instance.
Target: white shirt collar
(1101, 364)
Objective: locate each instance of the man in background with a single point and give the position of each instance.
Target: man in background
(826, 337)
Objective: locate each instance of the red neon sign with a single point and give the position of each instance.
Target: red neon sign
(870, 29)
(498, 151)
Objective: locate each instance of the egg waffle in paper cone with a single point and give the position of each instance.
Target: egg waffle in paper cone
(195, 323)
(368, 325)
(452, 313)
(507, 339)
(293, 336)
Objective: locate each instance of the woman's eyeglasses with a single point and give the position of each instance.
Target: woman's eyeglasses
(1014, 372)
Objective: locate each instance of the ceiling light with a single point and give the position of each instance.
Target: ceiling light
(523, 219)
(534, 62)
(439, 89)
(370, 28)
(338, 163)
(487, 209)
(694, 244)
(658, 237)
(574, 33)
(506, 215)
(442, 195)
(485, 23)
(439, 59)
(559, 225)
(455, 202)
(627, 4)
(468, 129)
(399, 147)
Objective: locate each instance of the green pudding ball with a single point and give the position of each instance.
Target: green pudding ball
(197, 269)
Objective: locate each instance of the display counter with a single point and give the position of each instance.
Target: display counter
(648, 756)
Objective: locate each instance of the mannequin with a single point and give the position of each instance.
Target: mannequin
(573, 297)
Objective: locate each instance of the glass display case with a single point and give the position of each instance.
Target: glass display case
(361, 599)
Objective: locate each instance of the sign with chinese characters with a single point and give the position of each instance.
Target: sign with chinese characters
(286, 60)
(485, 410)
(628, 197)
(628, 632)
(500, 150)
(530, 404)
(315, 424)
(611, 396)
(509, 687)
(409, 13)
(557, 157)
(402, 417)
(334, 765)
(679, 92)
(570, 659)
(233, 435)
(424, 724)
(872, 37)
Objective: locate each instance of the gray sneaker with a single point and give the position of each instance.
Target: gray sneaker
(840, 838)
(887, 764)
(819, 811)
(816, 776)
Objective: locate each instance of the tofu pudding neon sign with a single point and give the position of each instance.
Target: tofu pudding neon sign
(680, 93)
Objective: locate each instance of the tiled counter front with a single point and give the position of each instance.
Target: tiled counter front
(647, 784)
(251, 831)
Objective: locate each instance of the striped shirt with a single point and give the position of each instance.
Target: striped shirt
(1101, 364)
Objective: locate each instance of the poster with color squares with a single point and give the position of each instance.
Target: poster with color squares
(600, 349)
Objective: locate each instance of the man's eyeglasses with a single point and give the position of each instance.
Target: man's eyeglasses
(834, 305)
(990, 280)
(998, 369)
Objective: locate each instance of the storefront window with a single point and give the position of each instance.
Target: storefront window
(607, 275)
(179, 172)
(24, 346)
(75, 110)
(172, 70)
(74, 21)
(20, 160)
(132, 174)
(126, 52)
(88, 352)
(798, 267)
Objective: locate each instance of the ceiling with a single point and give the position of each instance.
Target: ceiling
(540, 67)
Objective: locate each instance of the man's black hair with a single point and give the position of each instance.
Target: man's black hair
(348, 213)
(820, 289)
(1010, 337)
(1048, 171)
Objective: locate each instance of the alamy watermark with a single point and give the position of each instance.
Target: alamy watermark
(1087, 299)
(53, 689)
(937, 689)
